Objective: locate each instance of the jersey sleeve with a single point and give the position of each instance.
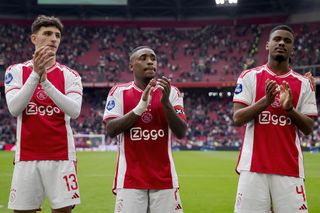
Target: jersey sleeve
(243, 91)
(73, 82)
(18, 94)
(114, 104)
(308, 104)
(13, 78)
(176, 100)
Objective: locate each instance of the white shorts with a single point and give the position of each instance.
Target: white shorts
(258, 192)
(33, 180)
(146, 201)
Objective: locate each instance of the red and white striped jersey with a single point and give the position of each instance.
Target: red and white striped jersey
(271, 143)
(144, 151)
(43, 129)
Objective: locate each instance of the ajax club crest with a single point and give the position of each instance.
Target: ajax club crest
(41, 95)
(146, 117)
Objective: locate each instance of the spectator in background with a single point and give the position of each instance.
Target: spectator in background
(275, 103)
(144, 114)
(43, 95)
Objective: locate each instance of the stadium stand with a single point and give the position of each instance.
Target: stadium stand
(185, 54)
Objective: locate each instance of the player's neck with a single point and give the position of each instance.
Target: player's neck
(279, 68)
(141, 84)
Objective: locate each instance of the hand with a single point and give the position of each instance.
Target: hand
(41, 59)
(145, 99)
(147, 91)
(165, 86)
(286, 96)
(271, 91)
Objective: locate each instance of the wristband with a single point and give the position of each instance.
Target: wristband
(142, 105)
(290, 109)
(140, 108)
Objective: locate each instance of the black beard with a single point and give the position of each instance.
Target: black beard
(279, 58)
(148, 79)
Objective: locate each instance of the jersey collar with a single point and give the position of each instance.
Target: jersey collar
(269, 70)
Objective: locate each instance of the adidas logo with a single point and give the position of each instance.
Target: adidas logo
(178, 207)
(75, 196)
(303, 207)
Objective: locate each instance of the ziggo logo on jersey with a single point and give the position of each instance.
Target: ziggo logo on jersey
(34, 109)
(266, 117)
(136, 133)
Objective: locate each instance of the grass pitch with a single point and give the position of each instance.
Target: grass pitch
(207, 181)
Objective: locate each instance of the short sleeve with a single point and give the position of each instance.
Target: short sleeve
(243, 91)
(176, 100)
(308, 104)
(73, 82)
(13, 78)
(114, 105)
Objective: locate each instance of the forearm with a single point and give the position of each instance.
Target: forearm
(303, 122)
(18, 100)
(121, 124)
(118, 125)
(243, 115)
(177, 125)
(69, 104)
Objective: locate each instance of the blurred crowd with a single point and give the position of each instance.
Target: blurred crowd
(209, 53)
(189, 54)
(101, 53)
(307, 45)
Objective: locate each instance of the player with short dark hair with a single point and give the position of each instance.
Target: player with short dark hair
(281, 27)
(275, 104)
(145, 114)
(44, 95)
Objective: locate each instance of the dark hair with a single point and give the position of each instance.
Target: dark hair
(282, 27)
(46, 21)
(136, 49)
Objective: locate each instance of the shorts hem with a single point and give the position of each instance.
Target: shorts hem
(65, 204)
(19, 208)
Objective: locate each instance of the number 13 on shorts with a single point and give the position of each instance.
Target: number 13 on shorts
(71, 182)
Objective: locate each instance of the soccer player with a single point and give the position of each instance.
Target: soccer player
(145, 114)
(44, 95)
(275, 103)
